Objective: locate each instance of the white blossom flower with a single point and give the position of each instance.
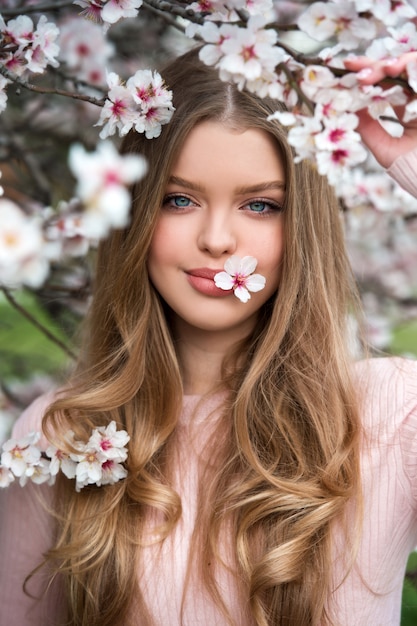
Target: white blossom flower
(88, 470)
(21, 455)
(119, 109)
(22, 247)
(114, 10)
(143, 103)
(110, 442)
(338, 131)
(239, 276)
(109, 11)
(85, 49)
(334, 163)
(61, 461)
(102, 179)
(43, 50)
(389, 13)
(3, 94)
(111, 472)
(302, 137)
(6, 477)
(214, 36)
(98, 462)
(153, 100)
(325, 20)
(249, 51)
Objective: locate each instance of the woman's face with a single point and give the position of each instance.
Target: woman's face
(223, 198)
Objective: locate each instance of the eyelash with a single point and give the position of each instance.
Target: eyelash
(273, 206)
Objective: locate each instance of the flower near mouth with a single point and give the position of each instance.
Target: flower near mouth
(239, 276)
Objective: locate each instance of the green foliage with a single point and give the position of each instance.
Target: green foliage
(24, 349)
(405, 341)
(409, 604)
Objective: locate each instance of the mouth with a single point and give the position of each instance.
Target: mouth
(202, 280)
(203, 272)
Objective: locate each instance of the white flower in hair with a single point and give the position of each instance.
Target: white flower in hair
(21, 455)
(97, 462)
(239, 276)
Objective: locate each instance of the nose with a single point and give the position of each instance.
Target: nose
(217, 235)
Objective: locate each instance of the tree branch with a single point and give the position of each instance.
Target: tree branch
(37, 323)
(47, 6)
(167, 7)
(47, 90)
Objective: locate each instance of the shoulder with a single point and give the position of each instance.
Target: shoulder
(404, 170)
(31, 418)
(387, 393)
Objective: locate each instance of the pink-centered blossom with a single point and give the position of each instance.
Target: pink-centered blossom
(20, 456)
(340, 20)
(85, 49)
(144, 104)
(239, 276)
(109, 11)
(23, 253)
(110, 442)
(98, 462)
(103, 177)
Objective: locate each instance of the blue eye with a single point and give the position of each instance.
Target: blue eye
(258, 206)
(263, 207)
(177, 202)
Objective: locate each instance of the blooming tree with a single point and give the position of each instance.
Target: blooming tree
(75, 75)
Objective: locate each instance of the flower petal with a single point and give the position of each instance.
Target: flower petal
(248, 265)
(224, 281)
(256, 282)
(242, 293)
(233, 265)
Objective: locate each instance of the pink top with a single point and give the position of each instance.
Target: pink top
(371, 594)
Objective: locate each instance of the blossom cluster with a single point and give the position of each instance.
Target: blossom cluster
(143, 103)
(99, 461)
(253, 56)
(29, 243)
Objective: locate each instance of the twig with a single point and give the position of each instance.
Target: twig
(46, 90)
(168, 7)
(40, 180)
(48, 6)
(167, 18)
(37, 323)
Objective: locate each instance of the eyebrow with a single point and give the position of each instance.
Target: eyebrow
(265, 186)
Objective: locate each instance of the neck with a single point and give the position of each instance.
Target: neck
(201, 355)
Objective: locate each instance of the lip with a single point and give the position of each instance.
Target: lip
(202, 280)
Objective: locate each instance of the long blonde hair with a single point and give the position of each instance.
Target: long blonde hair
(291, 460)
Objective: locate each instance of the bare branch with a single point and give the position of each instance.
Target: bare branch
(47, 90)
(47, 6)
(167, 7)
(37, 323)
(39, 179)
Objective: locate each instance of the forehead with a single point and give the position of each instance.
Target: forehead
(215, 149)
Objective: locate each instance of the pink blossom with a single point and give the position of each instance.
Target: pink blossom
(239, 276)
(110, 442)
(23, 257)
(20, 456)
(103, 177)
(85, 49)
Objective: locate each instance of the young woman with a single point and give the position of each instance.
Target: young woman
(270, 479)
